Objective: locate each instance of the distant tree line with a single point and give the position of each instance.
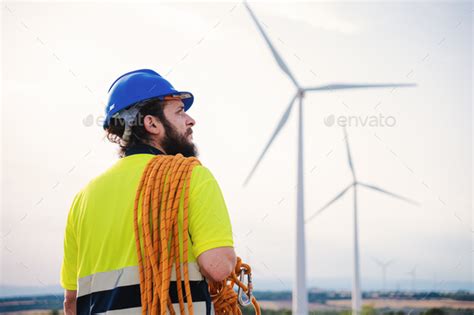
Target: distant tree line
(25, 303)
(323, 296)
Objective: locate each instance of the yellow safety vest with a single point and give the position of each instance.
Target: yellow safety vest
(100, 258)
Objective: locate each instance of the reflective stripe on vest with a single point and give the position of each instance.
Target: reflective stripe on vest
(118, 292)
(199, 308)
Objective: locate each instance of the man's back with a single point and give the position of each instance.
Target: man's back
(100, 255)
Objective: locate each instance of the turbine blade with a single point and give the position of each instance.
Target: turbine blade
(388, 263)
(280, 125)
(412, 272)
(390, 193)
(277, 57)
(328, 204)
(344, 86)
(378, 262)
(349, 156)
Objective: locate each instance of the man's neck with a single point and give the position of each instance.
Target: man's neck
(156, 145)
(141, 148)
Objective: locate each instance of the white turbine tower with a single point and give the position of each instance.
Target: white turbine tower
(356, 291)
(300, 298)
(383, 266)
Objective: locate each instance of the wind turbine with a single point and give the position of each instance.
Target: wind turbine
(384, 266)
(300, 294)
(412, 274)
(356, 292)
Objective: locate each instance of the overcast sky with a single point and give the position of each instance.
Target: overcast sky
(58, 60)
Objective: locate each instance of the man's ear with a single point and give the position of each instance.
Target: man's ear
(153, 125)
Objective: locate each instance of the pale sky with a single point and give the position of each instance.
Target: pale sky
(58, 60)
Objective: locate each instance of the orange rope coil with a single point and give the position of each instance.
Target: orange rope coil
(157, 241)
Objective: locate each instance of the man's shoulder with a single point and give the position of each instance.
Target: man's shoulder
(123, 171)
(200, 175)
(127, 171)
(203, 180)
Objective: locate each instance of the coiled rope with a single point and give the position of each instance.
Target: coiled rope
(157, 241)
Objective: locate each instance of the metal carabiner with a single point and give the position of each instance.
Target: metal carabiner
(248, 300)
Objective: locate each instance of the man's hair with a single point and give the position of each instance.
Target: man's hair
(139, 135)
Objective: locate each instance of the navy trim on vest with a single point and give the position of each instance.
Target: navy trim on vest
(129, 297)
(142, 148)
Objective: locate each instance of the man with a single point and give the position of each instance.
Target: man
(146, 116)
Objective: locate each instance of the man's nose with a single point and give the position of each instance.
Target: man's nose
(191, 121)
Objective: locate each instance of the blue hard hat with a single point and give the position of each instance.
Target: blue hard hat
(140, 85)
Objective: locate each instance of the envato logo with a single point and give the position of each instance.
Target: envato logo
(360, 121)
(90, 121)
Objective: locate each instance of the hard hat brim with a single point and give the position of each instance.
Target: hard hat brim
(186, 97)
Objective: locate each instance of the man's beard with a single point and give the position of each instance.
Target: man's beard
(174, 143)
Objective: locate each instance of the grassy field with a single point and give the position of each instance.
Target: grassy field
(379, 305)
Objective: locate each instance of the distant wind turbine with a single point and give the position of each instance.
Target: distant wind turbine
(300, 294)
(435, 282)
(383, 266)
(356, 292)
(412, 274)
